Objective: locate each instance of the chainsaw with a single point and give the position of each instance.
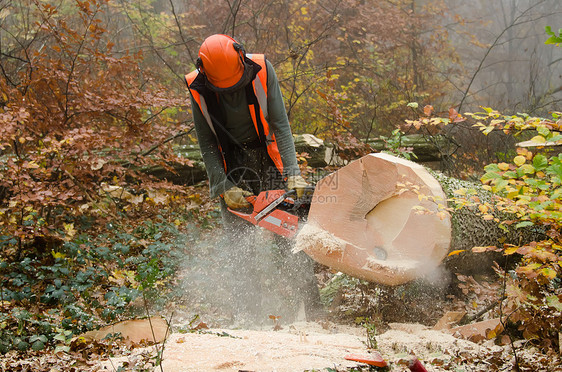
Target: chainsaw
(279, 211)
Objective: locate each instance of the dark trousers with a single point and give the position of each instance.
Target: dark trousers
(270, 279)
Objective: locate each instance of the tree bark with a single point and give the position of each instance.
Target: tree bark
(383, 219)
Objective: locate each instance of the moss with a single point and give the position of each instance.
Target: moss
(470, 230)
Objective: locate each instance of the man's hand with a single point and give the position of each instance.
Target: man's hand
(298, 184)
(235, 198)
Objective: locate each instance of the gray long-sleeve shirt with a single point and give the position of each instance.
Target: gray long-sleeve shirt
(241, 128)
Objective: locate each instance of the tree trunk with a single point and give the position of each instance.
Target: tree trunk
(318, 154)
(383, 219)
(182, 174)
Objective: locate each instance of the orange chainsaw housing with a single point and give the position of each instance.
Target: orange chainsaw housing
(276, 220)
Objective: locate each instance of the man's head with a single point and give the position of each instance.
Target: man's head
(221, 59)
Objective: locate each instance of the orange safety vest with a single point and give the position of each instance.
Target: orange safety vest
(258, 112)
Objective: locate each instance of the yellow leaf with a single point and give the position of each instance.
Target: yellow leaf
(458, 251)
(511, 250)
(512, 194)
(548, 273)
(69, 230)
(483, 208)
(58, 254)
(538, 139)
(519, 160)
(460, 192)
(503, 166)
(442, 215)
(304, 10)
(488, 130)
(31, 165)
(528, 169)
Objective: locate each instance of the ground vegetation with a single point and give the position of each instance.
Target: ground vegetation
(92, 95)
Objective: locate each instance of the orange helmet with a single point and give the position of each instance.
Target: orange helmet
(221, 59)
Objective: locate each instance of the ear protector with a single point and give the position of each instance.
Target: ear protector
(240, 49)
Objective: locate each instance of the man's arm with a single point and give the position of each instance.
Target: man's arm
(279, 123)
(218, 183)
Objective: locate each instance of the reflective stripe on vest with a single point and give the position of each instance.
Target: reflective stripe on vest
(259, 85)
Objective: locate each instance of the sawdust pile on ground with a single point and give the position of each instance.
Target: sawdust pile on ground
(306, 346)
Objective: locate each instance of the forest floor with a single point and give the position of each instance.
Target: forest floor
(323, 345)
(200, 343)
(359, 318)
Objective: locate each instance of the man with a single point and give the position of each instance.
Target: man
(247, 146)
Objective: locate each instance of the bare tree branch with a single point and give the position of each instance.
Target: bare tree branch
(514, 23)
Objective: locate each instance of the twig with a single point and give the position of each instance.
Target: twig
(171, 138)
(502, 320)
(489, 50)
(164, 342)
(112, 365)
(152, 329)
(479, 314)
(180, 30)
(90, 198)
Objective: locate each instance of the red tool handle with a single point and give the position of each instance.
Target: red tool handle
(416, 366)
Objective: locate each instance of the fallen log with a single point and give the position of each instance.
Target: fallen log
(425, 148)
(319, 155)
(182, 174)
(383, 219)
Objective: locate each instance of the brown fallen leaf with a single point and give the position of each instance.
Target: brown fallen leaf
(449, 319)
(201, 325)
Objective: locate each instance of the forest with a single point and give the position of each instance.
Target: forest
(99, 225)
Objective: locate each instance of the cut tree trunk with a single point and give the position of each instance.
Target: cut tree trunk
(383, 219)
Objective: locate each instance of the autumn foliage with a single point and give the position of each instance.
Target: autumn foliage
(527, 189)
(78, 123)
(530, 191)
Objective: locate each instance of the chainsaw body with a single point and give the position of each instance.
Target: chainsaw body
(276, 210)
